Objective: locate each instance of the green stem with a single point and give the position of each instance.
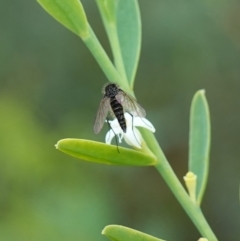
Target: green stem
(110, 23)
(103, 60)
(170, 178)
(115, 46)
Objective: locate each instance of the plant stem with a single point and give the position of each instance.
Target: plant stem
(163, 167)
(115, 46)
(103, 60)
(109, 18)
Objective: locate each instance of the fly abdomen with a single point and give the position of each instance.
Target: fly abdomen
(118, 112)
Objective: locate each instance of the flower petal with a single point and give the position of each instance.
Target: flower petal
(143, 122)
(109, 136)
(133, 137)
(111, 133)
(114, 124)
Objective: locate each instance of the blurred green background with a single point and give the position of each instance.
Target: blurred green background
(50, 88)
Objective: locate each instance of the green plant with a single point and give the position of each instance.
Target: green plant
(123, 26)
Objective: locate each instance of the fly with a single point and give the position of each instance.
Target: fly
(116, 102)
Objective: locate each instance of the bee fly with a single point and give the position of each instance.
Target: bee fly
(116, 102)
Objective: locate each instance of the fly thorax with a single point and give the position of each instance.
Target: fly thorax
(111, 90)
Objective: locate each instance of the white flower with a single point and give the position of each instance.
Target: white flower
(132, 136)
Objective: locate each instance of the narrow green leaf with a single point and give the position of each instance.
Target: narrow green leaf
(107, 10)
(199, 141)
(121, 233)
(70, 13)
(129, 33)
(102, 153)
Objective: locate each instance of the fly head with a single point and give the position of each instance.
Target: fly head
(111, 90)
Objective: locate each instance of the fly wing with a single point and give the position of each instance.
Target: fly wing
(130, 104)
(102, 113)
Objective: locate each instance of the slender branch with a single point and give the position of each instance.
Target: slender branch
(103, 60)
(108, 14)
(170, 178)
(115, 46)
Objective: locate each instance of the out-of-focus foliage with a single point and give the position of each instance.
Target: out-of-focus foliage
(50, 89)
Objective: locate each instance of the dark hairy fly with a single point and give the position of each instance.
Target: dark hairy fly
(115, 103)
(111, 91)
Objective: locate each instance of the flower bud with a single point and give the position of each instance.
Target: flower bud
(191, 181)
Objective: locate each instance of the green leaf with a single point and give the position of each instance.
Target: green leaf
(70, 13)
(121, 233)
(107, 9)
(199, 143)
(129, 33)
(102, 153)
